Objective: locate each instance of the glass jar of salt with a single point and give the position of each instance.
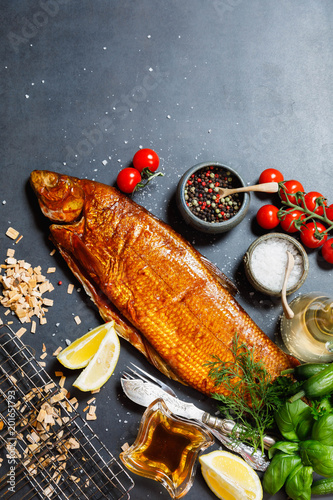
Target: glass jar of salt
(266, 262)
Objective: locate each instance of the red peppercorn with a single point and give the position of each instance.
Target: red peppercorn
(59, 282)
(203, 183)
(210, 190)
(217, 184)
(189, 182)
(199, 180)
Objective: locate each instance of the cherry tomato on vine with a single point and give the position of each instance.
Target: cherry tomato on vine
(329, 212)
(146, 158)
(270, 175)
(311, 234)
(289, 218)
(127, 180)
(291, 188)
(327, 250)
(310, 202)
(267, 217)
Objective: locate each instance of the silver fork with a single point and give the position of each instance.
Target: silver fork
(147, 377)
(254, 458)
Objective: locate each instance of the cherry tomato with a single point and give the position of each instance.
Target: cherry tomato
(128, 178)
(146, 158)
(267, 216)
(291, 188)
(310, 202)
(289, 218)
(270, 175)
(329, 212)
(327, 250)
(309, 234)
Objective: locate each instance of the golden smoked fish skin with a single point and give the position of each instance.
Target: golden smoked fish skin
(166, 299)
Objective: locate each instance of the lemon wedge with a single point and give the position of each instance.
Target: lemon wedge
(230, 477)
(81, 351)
(102, 365)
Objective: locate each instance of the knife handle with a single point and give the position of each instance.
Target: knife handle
(226, 427)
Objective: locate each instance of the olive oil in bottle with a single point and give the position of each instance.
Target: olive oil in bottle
(309, 334)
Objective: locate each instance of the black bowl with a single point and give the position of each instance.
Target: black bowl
(206, 226)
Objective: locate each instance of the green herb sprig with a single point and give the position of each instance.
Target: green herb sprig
(252, 396)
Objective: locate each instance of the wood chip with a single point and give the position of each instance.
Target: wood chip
(58, 374)
(12, 233)
(56, 352)
(10, 252)
(62, 381)
(96, 391)
(53, 252)
(125, 447)
(43, 356)
(20, 332)
(51, 270)
(70, 288)
(91, 417)
(48, 302)
(92, 410)
(33, 326)
(18, 239)
(77, 320)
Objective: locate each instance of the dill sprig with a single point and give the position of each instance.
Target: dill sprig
(252, 398)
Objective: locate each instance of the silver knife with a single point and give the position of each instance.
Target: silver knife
(144, 393)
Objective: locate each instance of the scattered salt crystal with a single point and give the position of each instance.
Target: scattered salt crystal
(269, 262)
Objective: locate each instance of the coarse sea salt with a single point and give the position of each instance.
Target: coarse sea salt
(269, 262)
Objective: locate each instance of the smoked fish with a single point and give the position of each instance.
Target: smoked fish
(167, 300)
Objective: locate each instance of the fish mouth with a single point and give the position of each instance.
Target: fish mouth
(60, 197)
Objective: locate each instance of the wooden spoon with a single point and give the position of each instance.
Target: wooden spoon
(266, 187)
(288, 312)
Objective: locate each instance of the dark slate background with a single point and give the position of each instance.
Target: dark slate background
(85, 84)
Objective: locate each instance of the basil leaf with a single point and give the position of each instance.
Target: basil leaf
(289, 416)
(298, 484)
(323, 429)
(318, 455)
(278, 471)
(287, 447)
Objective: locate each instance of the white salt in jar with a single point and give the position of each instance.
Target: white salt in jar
(266, 261)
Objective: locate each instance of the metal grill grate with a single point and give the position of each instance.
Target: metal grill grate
(47, 449)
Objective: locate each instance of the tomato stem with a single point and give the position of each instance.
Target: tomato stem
(303, 208)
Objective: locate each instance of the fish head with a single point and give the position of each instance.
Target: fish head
(61, 198)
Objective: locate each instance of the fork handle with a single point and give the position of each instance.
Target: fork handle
(226, 427)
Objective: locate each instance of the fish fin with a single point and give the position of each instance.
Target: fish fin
(220, 276)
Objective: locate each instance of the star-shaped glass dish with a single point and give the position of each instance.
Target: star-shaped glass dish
(166, 449)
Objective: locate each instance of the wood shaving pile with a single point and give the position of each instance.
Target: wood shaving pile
(23, 290)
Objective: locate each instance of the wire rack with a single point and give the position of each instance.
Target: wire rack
(46, 449)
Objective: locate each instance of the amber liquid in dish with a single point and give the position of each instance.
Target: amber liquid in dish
(169, 447)
(309, 335)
